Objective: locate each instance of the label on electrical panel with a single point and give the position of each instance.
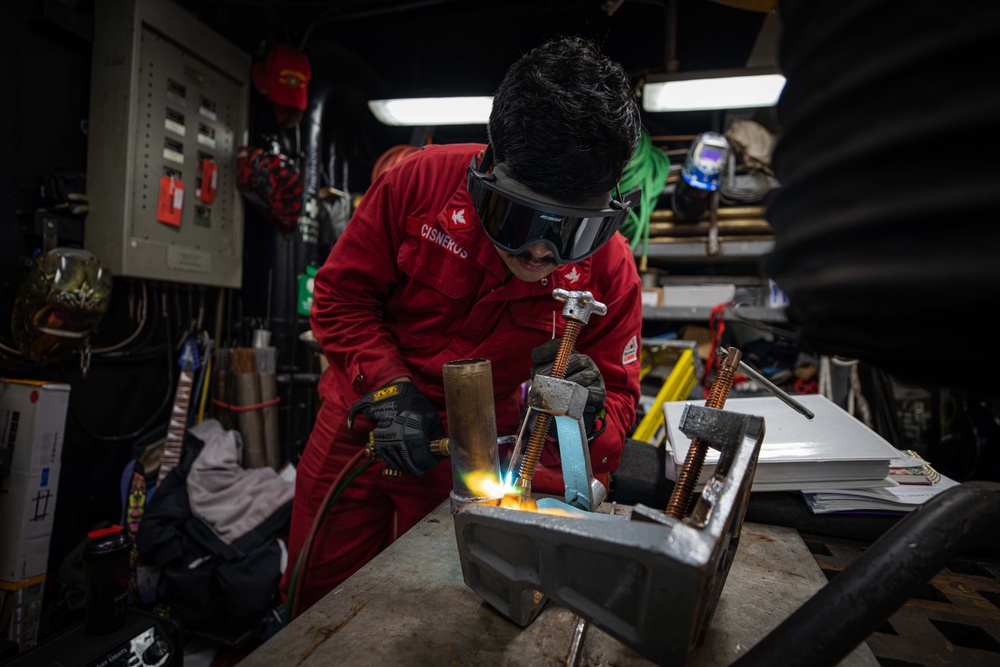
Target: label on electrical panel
(209, 180)
(188, 259)
(171, 201)
(172, 155)
(204, 140)
(174, 127)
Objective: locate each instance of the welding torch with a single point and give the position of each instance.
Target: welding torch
(403, 430)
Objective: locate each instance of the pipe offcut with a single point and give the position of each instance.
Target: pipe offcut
(472, 430)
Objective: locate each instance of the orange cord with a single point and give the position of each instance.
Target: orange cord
(244, 408)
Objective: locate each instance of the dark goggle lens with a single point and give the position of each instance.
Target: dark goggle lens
(514, 226)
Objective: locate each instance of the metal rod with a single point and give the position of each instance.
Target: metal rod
(576, 646)
(771, 387)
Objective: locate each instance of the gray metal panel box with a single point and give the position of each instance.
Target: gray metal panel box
(167, 93)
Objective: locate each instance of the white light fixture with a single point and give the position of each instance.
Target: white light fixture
(433, 110)
(713, 89)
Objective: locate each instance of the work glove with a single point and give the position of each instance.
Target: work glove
(580, 369)
(405, 423)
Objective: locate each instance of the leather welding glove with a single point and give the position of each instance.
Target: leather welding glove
(405, 423)
(580, 369)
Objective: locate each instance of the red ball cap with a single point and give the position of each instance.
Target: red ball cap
(287, 76)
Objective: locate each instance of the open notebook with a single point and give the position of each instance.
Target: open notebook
(832, 450)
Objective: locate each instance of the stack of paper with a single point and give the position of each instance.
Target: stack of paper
(832, 450)
(894, 498)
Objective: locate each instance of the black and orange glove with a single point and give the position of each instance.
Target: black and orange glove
(405, 423)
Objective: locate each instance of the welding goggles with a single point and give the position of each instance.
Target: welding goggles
(516, 218)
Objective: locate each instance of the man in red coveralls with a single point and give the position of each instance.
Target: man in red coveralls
(453, 254)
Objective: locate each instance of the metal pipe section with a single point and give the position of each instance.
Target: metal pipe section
(858, 600)
(472, 428)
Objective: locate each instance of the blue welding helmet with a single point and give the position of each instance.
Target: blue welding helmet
(706, 161)
(701, 175)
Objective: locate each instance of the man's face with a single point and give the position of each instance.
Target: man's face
(535, 263)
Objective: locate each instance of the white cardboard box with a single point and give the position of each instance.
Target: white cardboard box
(652, 296)
(33, 421)
(698, 296)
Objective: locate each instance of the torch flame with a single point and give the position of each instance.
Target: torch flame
(483, 484)
(486, 485)
(515, 501)
(556, 511)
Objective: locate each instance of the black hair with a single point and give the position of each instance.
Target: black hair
(565, 119)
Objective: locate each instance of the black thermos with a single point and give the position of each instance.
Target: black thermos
(106, 571)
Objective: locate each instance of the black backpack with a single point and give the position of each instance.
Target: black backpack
(225, 592)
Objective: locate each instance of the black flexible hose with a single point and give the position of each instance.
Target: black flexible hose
(858, 600)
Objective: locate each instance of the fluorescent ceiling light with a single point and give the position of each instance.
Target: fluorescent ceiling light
(433, 110)
(714, 89)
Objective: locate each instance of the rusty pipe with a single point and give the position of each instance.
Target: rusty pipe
(472, 427)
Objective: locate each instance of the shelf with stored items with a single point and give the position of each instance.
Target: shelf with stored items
(687, 263)
(739, 233)
(699, 248)
(733, 311)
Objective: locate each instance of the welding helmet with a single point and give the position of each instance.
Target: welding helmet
(515, 217)
(701, 175)
(59, 304)
(706, 161)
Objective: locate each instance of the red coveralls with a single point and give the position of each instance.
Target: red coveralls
(413, 283)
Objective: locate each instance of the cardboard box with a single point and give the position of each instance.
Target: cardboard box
(652, 296)
(21, 611)
(33, 421)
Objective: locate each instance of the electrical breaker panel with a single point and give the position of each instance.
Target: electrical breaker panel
(168, 112)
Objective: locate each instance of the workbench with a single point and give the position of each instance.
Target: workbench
(410, 606)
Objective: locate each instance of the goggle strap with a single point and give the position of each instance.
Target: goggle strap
(487, 160)
(632, 199)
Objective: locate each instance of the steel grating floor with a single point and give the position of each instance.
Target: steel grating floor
(955, 620)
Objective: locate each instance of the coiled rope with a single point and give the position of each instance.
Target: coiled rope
(648, 169)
